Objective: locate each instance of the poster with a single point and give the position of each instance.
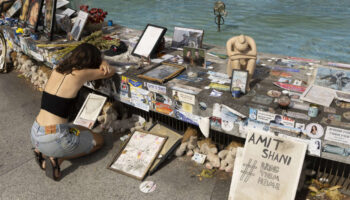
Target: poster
(270, 168)
(267, 117)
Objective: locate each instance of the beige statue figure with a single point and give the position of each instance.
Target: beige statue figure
(242, 53)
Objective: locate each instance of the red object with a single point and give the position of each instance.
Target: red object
(96, 15)
(290, 87)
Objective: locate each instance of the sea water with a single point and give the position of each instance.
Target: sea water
(316, 29)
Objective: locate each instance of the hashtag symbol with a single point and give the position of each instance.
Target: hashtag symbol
(248, 170)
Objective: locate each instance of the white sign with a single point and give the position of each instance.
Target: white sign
(337, 135)
(267, 117)
(156, 88)
(184, 97)
(270, 168)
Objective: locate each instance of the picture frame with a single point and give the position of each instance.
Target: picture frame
(16, 6)
(90, 110)
(239, 79)
(194, 56)
(79, 25)
(34, 14)
(24, 13)
(187, 37)
(162, 72)
(49, 19)
(149, 40)
(136, 157)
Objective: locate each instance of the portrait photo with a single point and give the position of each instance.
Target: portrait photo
(194, 56)
(239, 79)
(187, 37)
(314, 130)
(50, 8)
(34, 13)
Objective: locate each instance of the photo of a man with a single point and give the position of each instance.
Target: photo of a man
(277, 120)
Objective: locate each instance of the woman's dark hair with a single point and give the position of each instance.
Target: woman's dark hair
(84, 56)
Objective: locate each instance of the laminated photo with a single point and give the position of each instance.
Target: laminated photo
(314, 130)
(187, 37)
(336, 79)
(79, 25)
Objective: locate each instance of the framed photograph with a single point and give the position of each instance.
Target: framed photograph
(336, 79)
(90, 110)
(162, 72)
(50, 9)
(138, 154)
(34, 13)
(194, 56)
(14, 8)
(187, 37)
(24, 12)
(149, 40)
(79, 24)
(239, 79)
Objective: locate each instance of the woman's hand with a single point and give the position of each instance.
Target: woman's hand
(105, 67)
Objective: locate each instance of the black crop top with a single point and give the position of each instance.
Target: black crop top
(56, 105)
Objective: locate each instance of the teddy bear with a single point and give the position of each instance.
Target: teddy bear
(106, 118)
(188, 142)
(208, 148)
(228, 156)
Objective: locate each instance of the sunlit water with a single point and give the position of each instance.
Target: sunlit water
(318, 29)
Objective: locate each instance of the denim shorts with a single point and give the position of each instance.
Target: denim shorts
(61, 140)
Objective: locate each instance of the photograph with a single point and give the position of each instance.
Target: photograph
(79, 25)
(14, 8)
(34, 13)
(314, 130)
(24, 11)
(148, 41)
(163, 72)
(336, 79)
(194, 56)
(187, 37)
(50, 8)
(239, 79)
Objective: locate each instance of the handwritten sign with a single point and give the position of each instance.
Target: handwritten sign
(270, 168)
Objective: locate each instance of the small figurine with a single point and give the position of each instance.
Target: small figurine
(242, 54)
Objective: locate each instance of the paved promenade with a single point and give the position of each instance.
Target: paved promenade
(87, 177)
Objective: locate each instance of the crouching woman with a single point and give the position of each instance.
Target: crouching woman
(53, 138)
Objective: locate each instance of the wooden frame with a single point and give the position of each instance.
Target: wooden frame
(150, 162)
(34, 14)
(149, 74)
(49, 20)
(17, 5)
(149, 40)
(235, 76)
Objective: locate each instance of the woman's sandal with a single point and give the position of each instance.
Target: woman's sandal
(51, 168)
(39, 159)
